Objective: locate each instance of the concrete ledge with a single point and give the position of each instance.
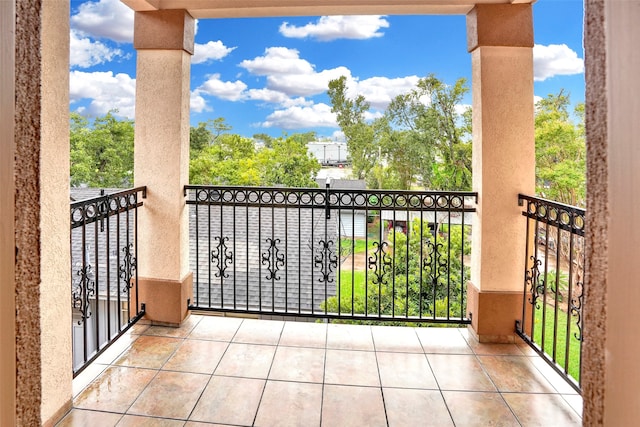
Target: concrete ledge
(165, 300)
(493, 314)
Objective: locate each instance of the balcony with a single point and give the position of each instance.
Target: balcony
(264, 257)
(244, 372)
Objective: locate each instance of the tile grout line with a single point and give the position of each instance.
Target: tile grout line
(266, 380)
(212, 373)
(163, 364)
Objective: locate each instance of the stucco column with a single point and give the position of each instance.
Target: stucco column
(55, 282)
(610, 368)
(500, 39)
(164, 44)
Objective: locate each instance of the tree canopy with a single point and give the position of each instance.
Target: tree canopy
(560, 150)
(422, 138)
(101, 152)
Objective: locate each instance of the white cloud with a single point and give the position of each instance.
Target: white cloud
(278, 60)
(197, 103)
(86, 53)
(338, 136)
(109, 19)
(317, 115)
(554, 60)
(462, 108)
(105, 90)
(328, 28)
(231, 91)
(380, 91)
(275, 97)
(210, 51)
(305, 84)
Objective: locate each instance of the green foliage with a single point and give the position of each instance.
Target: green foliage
(350, 114)
(416, 282)
(234, 160)
(414, 142)
(560, 151)
(101, 152)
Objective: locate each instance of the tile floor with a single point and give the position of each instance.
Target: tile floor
(216, 371)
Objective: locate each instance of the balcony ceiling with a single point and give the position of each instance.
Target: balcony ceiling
(252, 8)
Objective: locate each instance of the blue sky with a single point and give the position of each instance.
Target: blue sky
(270, 75)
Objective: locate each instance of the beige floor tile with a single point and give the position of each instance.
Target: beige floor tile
(479, 409)
(460, 372)
(304, 334)
(139, 328)
(290, 404)
(405, 370)
(349, 337)
(197, 424)
(82, 418)
(246, 360)
(259, 332)
(398, 339)
(348, 406)
(515, 374)
(216, 328)
(409, 408)
(542, 410)
(89, 374)
(228, 400)
(138, 421)
(298, 364)
(149, 352)
(575, 401)
(170, 395)
(198, 356)
(488, 349)
(176, 332)
(443, 341)
(351, 368)
(115, 390)
(559, 383)
(116, 349)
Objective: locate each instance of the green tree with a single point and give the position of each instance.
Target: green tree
(234, 160)
(101, 152)
(422, 138)
(359, 134)
(440, 136)
(560, 150)
(287, 163)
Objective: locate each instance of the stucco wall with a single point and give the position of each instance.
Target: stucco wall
(597, 213)
(27, 218)
(7, 234)
(55, 310)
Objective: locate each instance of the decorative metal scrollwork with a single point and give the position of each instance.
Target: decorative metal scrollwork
(435, 264)
(273, 259)
(380, 262)
(221, 256)
(326, 260)
(128, 267)
(82, 291)
(576, 310)
(533, 282)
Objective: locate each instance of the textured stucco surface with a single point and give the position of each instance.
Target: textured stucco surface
(503, 147)
(55, 309)
(7, 233)
(27, 219)
(162, 147)
(597, 215)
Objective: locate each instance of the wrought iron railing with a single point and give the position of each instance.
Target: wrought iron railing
(104, 253)
(341, 254)
(552, 321)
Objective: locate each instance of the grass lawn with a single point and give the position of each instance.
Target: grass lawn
(573, 367)
(358, 245)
